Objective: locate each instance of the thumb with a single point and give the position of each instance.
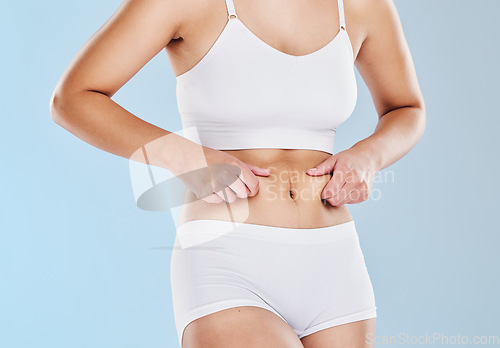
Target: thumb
(324, 167)
(258, 170)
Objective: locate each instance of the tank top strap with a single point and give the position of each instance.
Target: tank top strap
(231, 11)
(341, 13)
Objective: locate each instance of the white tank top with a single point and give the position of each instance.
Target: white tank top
(245, 94)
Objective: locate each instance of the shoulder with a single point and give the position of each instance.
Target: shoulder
(370, 17)
(196, 14)
(178, 13)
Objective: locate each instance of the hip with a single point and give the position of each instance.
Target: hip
(307, 276)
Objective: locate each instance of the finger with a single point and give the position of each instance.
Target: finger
(227, 195)
(352, 190)
(229, 178)
(250, 181)
(239, 188)
(359, 195)
(334, 185)
(258, 170)
(342, 196)
(198, 181)
(348, 196)
(229, 174)
(224, 175)
(324, 167)
(230, 195)
(213, 198)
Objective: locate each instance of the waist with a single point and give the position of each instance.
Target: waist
(197, 232)
(287, 198)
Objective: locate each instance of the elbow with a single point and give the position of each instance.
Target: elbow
(62, 107)
(422, 118)
(419, 117)
(419, 121)
(55, 107)
(52, 107)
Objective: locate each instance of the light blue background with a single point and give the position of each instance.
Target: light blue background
(82, 266)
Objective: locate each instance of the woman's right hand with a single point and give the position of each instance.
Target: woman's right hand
(217, 176)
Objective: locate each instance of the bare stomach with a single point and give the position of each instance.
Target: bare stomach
(288, 197)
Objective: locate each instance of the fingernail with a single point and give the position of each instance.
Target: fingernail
(312, 169)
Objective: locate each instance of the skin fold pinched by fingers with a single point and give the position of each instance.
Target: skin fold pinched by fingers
(198, 181)
(334, 185)
(220, 179)
(226, 176)
(352, 177)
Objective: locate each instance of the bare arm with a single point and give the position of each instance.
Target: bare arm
(81, 102)
(386, 65)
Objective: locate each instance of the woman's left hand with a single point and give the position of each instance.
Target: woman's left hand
(352, 179)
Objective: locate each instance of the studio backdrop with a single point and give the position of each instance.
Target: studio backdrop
(86, 236)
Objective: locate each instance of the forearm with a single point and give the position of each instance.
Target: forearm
(101, 122)
(397, 132)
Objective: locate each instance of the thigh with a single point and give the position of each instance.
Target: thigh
(351, 335)
(242, 327)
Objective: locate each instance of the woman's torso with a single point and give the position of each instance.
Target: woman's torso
(288, 197)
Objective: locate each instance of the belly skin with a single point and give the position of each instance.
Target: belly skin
(286, 198)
